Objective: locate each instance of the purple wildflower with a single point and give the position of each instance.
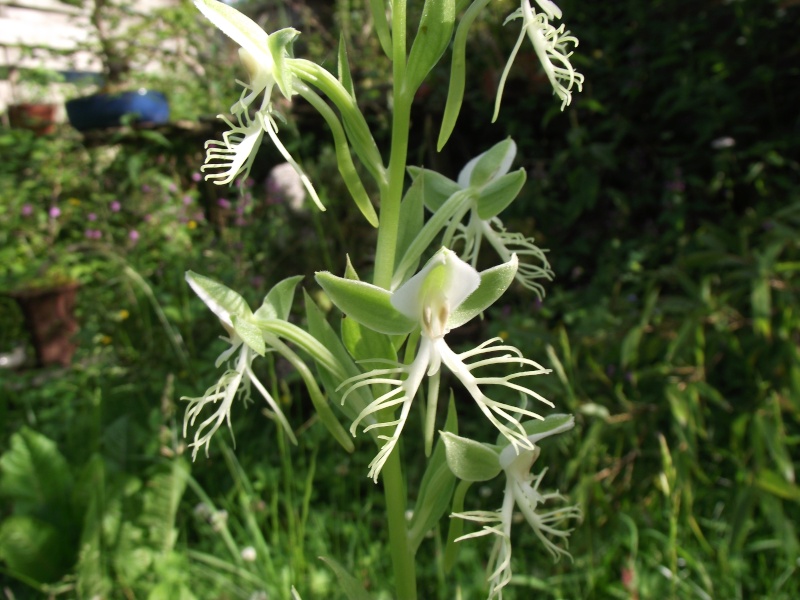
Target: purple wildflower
(54, 212)
(224, 203)
(27, 210)
(133, 235)
(115, 206)
(91, 217)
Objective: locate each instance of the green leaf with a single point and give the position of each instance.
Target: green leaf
(350, 271)
(368, 304)
(455, 91)
(433, 37)
(364, 343)
(344, 161)
(358, 131)
(343, 67)
(222, 300)
(436, 488)
(412, 217)
(494, 282)
(321, 330)
(33, 473)
(470, 460)
(630, 346)
(278, 301)
(378, 10)
(161, 499)
(772, 431)
(349, 585)
(170, 590)
(456, 526)
(771, 482)
(461, 200)
(501, 192)
(250, 334)
(321, 404)
(34, 548)
(761, 301)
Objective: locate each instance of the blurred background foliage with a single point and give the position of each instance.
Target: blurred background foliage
(669, 196)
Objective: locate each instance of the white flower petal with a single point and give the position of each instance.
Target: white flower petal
(466, 172)
(552, 11)
(240, 28)
(442, 284)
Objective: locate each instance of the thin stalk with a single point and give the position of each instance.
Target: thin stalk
(394, 491)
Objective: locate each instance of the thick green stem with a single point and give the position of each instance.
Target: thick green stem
(394, 491)
(401, 120)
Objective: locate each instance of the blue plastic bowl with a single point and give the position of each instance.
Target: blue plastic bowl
(106, 110)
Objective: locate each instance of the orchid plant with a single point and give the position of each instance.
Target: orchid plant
(391, 347)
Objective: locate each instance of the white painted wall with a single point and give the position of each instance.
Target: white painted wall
(45, 25)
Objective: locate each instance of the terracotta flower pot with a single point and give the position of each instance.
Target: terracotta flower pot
(39, 118)
(50, 318)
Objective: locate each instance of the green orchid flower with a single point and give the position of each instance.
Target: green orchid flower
(244, 338)
(445, 294)
(487, 188)
(551, 45)
(472, 461)
(265, 57)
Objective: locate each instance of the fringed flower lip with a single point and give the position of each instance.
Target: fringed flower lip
(445, 294)
(264, 56)
(233, 312)
(551, 45)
